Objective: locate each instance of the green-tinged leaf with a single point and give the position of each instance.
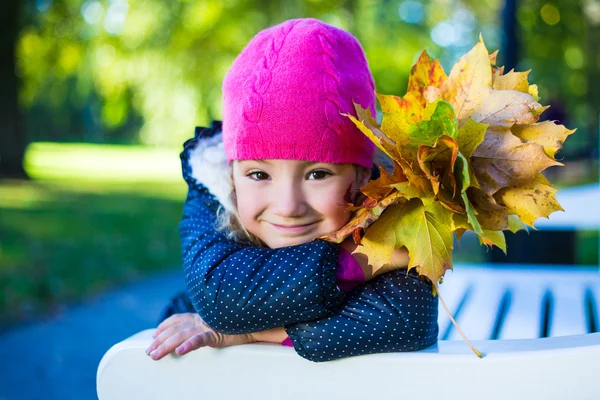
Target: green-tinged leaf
(438, 120)
(408, 190)
(494, 238)
(472, 216)
(470, 136)
(515, 224)
(461, 173)
(425, 228)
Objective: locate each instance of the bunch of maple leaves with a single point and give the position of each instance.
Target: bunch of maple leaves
(468, 152)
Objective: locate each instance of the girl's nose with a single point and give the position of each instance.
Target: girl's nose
(289, 201)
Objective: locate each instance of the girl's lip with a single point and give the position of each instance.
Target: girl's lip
(293, 228)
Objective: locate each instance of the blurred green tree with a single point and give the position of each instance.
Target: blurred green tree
(149, 70)
(557, 45)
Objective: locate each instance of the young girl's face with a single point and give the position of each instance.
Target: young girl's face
(290, 202)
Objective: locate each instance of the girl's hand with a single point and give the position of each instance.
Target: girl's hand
(183, 333)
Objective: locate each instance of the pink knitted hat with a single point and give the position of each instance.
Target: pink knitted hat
(284, 93)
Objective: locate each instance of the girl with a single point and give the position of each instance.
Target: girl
(294, 160)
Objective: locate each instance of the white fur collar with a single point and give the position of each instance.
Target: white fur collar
(210, 168)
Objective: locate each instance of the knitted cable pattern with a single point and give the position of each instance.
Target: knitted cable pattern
(259, 82)
(331, 81)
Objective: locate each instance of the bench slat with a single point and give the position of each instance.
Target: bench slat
(479, 313)
(595, 289)
(568, 309)
(523, 320)
(452, 293)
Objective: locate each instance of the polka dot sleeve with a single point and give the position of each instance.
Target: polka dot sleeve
(391, 313)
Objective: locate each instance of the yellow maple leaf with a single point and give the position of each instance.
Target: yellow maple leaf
(504, 108)
(379, 241)
(426, 72)
(469, 82)
(533, 91)
(512, 81)
(367, 125)
(530, 201)
(548, 134)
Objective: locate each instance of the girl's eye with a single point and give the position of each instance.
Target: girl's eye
(258, 176)
(318, 175)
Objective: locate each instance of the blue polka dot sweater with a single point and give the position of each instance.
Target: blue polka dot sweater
(240, 288)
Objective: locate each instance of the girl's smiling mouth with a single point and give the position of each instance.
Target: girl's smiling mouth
(294, 229)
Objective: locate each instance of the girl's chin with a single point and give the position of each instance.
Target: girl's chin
(286, 242)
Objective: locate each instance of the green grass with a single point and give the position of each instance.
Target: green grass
(92, 218)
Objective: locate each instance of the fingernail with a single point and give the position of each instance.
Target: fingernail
(179, 350)
(153, 354)
(147, 350)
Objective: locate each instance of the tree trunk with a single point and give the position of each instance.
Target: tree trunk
(510, 43)
(593, 95)
(12, 136)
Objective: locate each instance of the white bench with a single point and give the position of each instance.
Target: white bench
(512, 305)
(537, 328)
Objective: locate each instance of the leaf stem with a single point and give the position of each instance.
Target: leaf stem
(477, 352)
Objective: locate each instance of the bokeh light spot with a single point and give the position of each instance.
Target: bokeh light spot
(70, 57)
(444, 34)
(574, 57)
(105, 55)
(526, 16)
(550, 14)
(92, 12)
(114, 112)
(115, 17)
(43, 5)
(411, 11)
(578, 84)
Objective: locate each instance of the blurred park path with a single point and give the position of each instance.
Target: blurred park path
(58, 358)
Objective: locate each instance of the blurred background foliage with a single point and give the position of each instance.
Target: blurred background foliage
(143, 73)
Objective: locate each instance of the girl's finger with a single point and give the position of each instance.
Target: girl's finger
(172, 320)
(195, 342)
(167, 333)
(174, 341)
